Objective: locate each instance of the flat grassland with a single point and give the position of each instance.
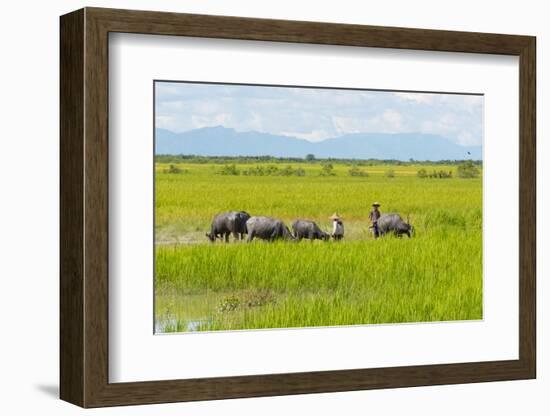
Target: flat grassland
(200, 286)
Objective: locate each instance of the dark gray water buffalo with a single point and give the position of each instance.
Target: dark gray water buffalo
(232, 222)
(267, 228)
(393, 223)
(308, 229)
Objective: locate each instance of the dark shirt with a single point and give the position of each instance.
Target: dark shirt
(374, 215)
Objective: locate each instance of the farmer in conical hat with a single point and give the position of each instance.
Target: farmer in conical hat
(374, 215)
(337, 227)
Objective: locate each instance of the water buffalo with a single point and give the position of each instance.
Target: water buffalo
(267, 228)
(393, 223)
(232, 222)
(308, 229)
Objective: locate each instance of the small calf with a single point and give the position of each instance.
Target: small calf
(309, 230)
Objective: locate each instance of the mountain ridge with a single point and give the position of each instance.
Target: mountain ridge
(222, 141)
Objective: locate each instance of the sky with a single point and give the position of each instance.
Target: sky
(316, 114)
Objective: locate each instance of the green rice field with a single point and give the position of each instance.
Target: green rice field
(200, 286)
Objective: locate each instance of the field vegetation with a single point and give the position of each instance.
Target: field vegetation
(434, 276)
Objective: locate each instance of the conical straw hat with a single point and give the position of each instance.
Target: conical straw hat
(335, 216)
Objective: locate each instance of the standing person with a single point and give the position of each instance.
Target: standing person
(337, 227)
(374, 216)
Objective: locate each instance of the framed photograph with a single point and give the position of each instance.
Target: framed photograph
(254, 207)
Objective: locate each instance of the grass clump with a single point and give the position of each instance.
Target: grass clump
(356, 171)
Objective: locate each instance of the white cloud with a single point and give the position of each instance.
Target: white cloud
(318, 114)
(199, 122)
(207, 107)
(256, 123)
(346, 125)
(465, 138)
(389, 121)
(172, 105)
(164, 122)
(313, 136)
(393, 119)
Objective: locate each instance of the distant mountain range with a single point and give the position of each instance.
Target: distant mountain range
(221, 141)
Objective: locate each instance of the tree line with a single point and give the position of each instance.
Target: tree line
(310, 158)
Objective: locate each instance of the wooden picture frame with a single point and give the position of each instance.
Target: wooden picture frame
(84, 207)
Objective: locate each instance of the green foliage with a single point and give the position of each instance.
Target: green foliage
(439, 281)
(245, 300)
(327, 169)
(440, 174)
(356, 171)
(272, 170)
(310, 157)
(174, 169)
(467, 170)
(443, 174)
(271, 159)
(228, 304)
(289, 171)
(436, 275)
(422, 173)
(269, 170)
(229, 170)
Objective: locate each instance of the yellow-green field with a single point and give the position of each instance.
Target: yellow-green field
(434, 276)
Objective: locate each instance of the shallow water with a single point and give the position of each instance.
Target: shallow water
(192, 325)
(197, 312)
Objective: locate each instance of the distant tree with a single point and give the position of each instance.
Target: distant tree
(173, 169)
(222, 160)
(326, 170)
(438, 174)
(254, 171)
(287, 171)
(467, 170)
(229, 170)
(355, 171)
(310, 157)
(270, 170)
(422, 173)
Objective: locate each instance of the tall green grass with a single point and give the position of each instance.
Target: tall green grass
(187, 203)
(435, 276)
